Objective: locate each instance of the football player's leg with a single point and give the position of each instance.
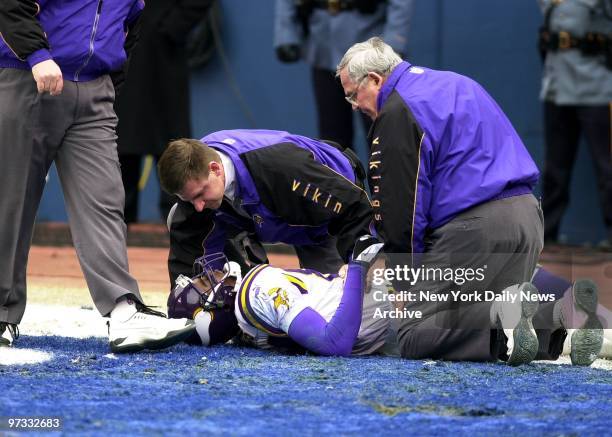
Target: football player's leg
(574, 317)
(577, 310)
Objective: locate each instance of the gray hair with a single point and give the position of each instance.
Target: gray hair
(372, 55)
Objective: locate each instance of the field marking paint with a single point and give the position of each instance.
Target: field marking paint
(16, 356)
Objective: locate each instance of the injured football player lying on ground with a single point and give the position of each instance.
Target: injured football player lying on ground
(297, 309)
(324, 314)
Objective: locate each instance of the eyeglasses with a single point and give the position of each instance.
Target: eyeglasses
(352, 97)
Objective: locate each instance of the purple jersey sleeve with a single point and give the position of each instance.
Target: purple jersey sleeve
(310, 330)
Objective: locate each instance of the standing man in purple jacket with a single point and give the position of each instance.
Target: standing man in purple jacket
(60, 65)
(451, 189)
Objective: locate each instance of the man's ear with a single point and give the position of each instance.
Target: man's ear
(376, 78)
(215, 167)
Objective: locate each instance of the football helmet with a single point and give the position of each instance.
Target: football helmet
(208, 289)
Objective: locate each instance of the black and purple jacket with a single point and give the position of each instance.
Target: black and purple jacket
(293, 189)
(439, 146)
(86, 38)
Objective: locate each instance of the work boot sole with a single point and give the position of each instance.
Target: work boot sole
(525, 339)
(587, 341)
(173, 337)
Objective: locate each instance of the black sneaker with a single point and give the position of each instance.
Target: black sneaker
(9, 332)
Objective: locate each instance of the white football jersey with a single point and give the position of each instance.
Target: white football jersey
(269, 298)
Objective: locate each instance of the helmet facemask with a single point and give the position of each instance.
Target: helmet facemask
(209, 288)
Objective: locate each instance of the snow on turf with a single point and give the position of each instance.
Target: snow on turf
(15, 356)
(63, 321)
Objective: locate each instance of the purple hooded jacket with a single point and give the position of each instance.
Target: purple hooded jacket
(440, 145)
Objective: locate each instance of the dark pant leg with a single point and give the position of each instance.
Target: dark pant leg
(323, 257)
(503, 235)
(334, 113)
(187, 228)
(561, 131)
(550, 340)
(595, 123)
(429, 340)
(31, 128)
(131, 171)
(130, 175)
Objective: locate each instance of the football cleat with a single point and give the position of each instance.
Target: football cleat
(147, 329)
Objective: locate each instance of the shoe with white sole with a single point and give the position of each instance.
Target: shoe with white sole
(586, 341)
(147, 329)
(515, 319)
(9, 332)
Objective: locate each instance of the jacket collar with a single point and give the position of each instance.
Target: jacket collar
(244, 187)
(390, 83)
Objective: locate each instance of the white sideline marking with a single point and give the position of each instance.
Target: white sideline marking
(62, 321)
(599, 363)
(15, 356)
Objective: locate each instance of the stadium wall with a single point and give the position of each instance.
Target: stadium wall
(494, 42)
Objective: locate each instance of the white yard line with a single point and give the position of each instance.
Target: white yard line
(15, 356)
(71, 321)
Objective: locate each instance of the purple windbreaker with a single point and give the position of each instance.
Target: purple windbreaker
(269, 166)
(85, 38)
(439, 146)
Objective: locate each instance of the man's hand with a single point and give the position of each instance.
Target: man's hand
(48, 77)
(288, 53)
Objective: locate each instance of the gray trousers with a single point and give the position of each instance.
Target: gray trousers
(506, 236)
(76, 130)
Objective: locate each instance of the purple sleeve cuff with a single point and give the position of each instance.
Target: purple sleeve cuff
(39, 56)
(310, 330)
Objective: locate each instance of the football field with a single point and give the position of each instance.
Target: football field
(61, 367)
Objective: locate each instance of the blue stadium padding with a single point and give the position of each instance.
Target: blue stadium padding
(493, 42)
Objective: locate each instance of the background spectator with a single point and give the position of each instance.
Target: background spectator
(577, 94)
(154, 105)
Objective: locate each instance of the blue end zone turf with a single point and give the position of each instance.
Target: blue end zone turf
(194, 390)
